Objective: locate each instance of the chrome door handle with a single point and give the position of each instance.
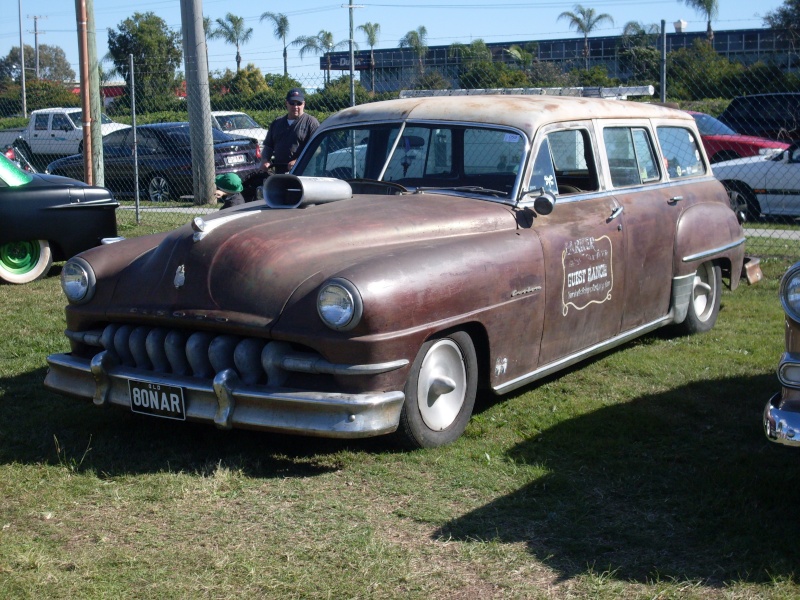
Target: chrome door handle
(674, 199)
(614, 214)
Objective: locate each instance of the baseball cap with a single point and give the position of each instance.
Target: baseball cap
(295, 94)
(230, 183)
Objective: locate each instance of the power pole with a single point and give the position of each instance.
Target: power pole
(22, 64)
(95, 101)
(83, 57)
(36, 33)
(198, 100)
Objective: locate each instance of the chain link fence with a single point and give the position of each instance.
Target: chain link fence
(747, 106)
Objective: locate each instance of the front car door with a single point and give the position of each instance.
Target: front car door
(781, 185)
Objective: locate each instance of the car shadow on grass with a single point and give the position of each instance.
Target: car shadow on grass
(41, 427)
(680, 485)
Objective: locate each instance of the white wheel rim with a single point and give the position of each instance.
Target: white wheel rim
(441, 385)
(703, 291)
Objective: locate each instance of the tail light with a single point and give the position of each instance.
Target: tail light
(258, 152)
(10, 154)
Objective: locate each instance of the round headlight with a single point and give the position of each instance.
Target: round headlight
(339, 304)
(790, 292)
(78, 281)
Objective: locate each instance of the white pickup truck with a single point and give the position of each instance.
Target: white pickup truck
(53, 132)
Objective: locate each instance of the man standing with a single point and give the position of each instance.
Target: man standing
(288, 135)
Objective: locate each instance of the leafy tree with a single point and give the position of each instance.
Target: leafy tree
(433, 80)
(245, 82)
(280, 29)
(639, 53)
(784, 17)
(482, 74)
(467, 54)
(38, 94)
(231, 30)
(709, 9)
(417, 41)
(699, 72)
(156, 51)
(585, 20)
(336, 95)
(372, 31)
(53, 64)
(322, 43)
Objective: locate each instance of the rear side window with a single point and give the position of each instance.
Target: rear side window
(681, 152)
(631, 159)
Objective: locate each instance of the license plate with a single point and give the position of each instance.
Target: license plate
(236, 159)
(157, 399)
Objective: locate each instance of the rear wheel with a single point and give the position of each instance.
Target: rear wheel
(158, 189)
(23, 262)
(704, 303)
(440, 392)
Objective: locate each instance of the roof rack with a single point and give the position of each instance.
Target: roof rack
(611, 93)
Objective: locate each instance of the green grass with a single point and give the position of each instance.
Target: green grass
(642, 473)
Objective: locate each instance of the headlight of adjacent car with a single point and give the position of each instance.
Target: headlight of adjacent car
(339, 304)
(790, 292)
(78, 281)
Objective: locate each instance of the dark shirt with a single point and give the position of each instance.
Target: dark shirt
(231, 200)
(285, 142)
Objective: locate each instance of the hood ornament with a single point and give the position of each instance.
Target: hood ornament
(180, 277)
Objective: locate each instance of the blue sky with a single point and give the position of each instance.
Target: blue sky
(447, 21)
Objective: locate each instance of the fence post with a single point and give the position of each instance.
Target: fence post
(135, 142)
(663, 60)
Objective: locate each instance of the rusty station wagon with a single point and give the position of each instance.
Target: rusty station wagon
(421, 248)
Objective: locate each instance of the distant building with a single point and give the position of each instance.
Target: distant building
(396, 67)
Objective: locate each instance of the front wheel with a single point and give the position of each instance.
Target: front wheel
(440, 392)
(704, 303)
(158, 189)
(23, 262)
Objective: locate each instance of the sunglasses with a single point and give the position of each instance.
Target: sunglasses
(296, 103)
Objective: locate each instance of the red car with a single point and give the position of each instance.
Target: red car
(723, 143)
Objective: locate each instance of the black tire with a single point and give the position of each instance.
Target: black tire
(745, 195)
(705, 299)
(434, 417)
(159, 189)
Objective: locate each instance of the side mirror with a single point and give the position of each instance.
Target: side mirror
(544, 202)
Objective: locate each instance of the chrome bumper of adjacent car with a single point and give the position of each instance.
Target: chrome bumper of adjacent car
(229, 403)
(781, 426)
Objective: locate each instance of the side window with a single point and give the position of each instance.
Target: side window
(573, 161)
(61, 123)
(41, 122)
(147, 141)
(631, 160)
(440, 157)
(681, 152)
(115, 138)
(543, 176)
(409, 158)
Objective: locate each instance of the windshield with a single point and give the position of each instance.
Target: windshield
(485, 159)
(77, 118)
(708, 125)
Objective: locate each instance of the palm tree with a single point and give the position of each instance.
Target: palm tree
(417, 40)
(322, 43)
(585, 20)
(372, 31)
(709, 9)
(231, 30)
(280, 29)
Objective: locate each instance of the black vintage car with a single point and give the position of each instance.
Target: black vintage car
(45, 218)
(164, 159)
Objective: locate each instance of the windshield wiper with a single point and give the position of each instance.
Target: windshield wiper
(462, 188)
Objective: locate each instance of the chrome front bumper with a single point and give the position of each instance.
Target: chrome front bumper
(781, 426)
(229, 403)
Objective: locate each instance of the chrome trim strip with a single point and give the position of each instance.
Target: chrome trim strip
(788, 359)
(583, 354)
(706, 253)
(230, 403)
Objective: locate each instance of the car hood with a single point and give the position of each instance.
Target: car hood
(748, 163)
(246, 269)
(751, 140)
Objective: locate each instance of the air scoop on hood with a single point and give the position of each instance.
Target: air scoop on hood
(291, 191)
